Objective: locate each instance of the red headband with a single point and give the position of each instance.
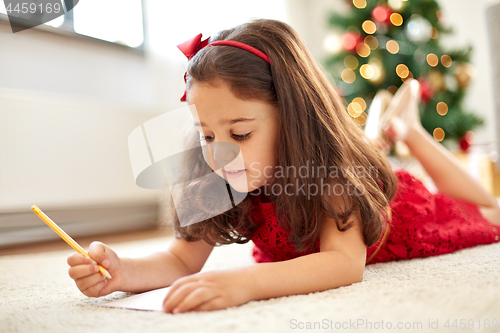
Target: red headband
(193, 45)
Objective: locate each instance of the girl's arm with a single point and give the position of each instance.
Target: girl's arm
(340, 262)
(157, 270)
(162, 268)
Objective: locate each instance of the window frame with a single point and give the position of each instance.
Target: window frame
(67, 29)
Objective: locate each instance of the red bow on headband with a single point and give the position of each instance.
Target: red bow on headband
(193, 45)
(190, 48)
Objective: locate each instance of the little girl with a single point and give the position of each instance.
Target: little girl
(260, 88)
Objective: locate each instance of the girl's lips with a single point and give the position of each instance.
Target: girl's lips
(234, 174)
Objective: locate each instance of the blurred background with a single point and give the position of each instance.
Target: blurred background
(72, 90)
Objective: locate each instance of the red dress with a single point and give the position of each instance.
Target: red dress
(423, 224)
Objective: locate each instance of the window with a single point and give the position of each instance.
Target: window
(116, 21)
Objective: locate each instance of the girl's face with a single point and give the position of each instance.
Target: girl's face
(252, 125)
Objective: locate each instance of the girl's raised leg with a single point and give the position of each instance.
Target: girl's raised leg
(447, 173)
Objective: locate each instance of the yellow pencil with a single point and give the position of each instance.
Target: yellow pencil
(67, 238)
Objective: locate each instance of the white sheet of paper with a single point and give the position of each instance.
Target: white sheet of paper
(150, 300)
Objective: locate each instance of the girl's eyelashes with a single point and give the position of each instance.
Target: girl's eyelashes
(241, 137)
(237, 137)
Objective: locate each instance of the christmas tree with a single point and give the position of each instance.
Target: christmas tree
(382, 43)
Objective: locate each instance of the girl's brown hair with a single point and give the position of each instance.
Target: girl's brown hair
(314, 130)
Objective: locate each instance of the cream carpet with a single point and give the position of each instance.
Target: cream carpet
(37, 295)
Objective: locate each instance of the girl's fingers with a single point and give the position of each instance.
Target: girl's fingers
(89, 281)
(196, 298)
(179, 283)
(79, 259)
(80, 271)
(94, 290)
(210, 305)
(177, 295)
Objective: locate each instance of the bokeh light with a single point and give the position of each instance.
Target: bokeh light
(380, 13)
(446, 60)
(442, 108)
(396, 19)
(348, 75)
(402, 71)
(366, 71)
(361, 102)
(410, 76)
(433, 32)
(392, 46)
(361, 119)
(332, 43)
(372, 42)
(359, 3)
(396, 4)
(378, 71)
(351, 62)
(354, 109)
(349, 41)
(438, 134)
(432, 59)
(369, 27)
(363, 50)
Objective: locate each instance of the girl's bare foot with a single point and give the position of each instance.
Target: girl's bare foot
(402, 112)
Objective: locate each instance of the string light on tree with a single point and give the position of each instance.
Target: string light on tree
(396, 4)
(433, 32)
(382, 14)
(369, 27)
(348, 75)
(410, 76)
(351, 62)
(402, 71)
(363, 50)
(372, 42)
(360, 4)
(350, 40)
(442, 108)
(354, 109)
(396, 19)
(417, 29)
(366, 71)
(432, 59)
(378, 71)
(392, 46)
(361, 102)
(361, 119)
(332, 43)
(446, 60)
(438, 134)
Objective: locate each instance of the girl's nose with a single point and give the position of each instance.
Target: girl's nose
(224, 152)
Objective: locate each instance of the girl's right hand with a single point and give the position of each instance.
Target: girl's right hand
(86, 274)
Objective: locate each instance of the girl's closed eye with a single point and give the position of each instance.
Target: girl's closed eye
(237, 137)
